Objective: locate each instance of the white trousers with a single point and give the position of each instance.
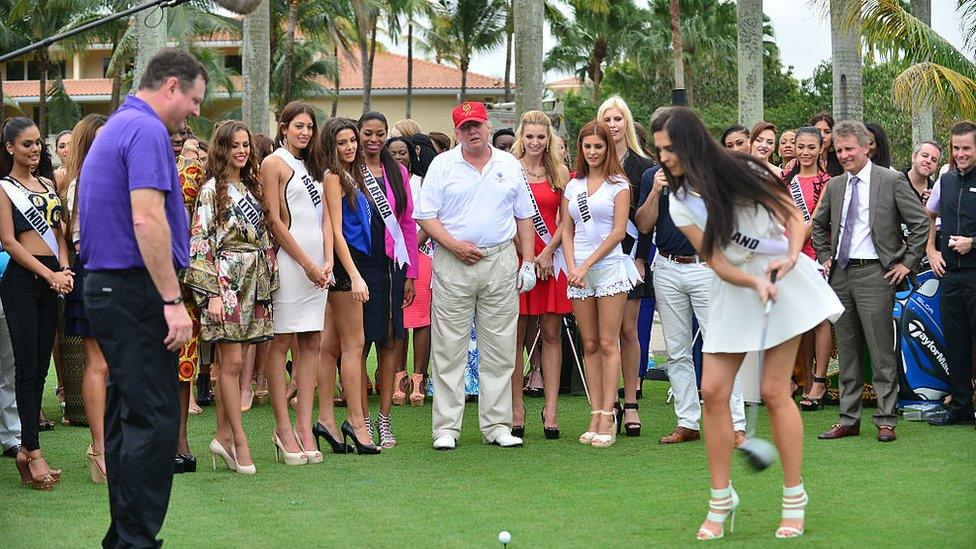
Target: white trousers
(486, 293)
(9, 420)
(681, 290)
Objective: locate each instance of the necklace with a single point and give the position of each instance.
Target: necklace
(535, 175)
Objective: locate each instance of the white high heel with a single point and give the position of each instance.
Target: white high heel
(290, 458)
(217, 449)
(606, 441)
(722, 505)
(795, 500)
(242, 469)
(313, 456)
(587, 437)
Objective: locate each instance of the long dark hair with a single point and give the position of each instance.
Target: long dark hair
(219, 158)
(412, 159)
(795, 169)
(391, 166)
(12, 128)
(833, 164)
(312, 154)
(426, 154)
(352, 180)
(724, 178)
(883, 155)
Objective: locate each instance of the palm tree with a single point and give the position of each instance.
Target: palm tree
(749, 16)
(509, 37)
(36, 20)
(471, 26)
(528, 18)
(366, 16)
(845, 47)
(938, 72)
(409, 10)
(677, 53)
(289, 49)
(922, 116)
(597, 32)
(256, 67)
(148, 39)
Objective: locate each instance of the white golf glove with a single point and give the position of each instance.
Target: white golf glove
(526, 277)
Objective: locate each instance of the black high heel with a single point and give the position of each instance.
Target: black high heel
(319, 431)
(348, 432)
(552, 433)
(619, 412)
(189, 463)
(519, 430)
(632, 428)
(808, 404)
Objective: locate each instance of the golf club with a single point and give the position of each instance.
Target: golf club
(759, 453)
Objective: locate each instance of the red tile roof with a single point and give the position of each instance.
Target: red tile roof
(389, 73)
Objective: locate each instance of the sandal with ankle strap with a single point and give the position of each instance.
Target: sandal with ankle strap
(795, 501)
(722, 505)
(810, 404)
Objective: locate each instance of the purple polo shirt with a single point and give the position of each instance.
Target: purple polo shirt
(131, 152)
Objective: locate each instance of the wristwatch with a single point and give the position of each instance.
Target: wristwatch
(177, 301)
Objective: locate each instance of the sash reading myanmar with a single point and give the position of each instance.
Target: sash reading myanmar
(23, 204)
(542, 231)
(252, 213)
(390, 220)
(797, 193)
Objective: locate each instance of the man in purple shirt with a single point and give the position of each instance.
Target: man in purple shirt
(133, 239)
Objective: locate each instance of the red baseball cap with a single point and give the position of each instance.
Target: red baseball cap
(468, 111)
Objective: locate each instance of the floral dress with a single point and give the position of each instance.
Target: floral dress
(191, 178)
(232, 258)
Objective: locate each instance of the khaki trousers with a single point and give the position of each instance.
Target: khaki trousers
(484, 292)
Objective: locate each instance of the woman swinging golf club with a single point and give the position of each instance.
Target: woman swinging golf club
(749, 216)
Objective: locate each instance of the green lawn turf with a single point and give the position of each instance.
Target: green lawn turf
(916, 492)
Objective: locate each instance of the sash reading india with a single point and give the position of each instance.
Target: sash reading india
(542, 231)
(252, 213)
(31, 214)
(390, 220)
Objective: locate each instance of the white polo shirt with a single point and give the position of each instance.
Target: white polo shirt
(862, 247)
(479, 207)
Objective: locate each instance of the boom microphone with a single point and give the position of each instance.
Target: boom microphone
(242, 7)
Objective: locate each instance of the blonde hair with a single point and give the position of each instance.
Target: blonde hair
(617, 102)
(408, 127)
(551, 160)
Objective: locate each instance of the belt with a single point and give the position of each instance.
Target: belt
(862, 262)
(493, 249)
(685, 259)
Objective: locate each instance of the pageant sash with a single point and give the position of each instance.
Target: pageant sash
(245, 204)
(389, 219)
(764, 246)
(33, 216)
(796, 192)
(313, 194)
(589, 225)
(542, 231)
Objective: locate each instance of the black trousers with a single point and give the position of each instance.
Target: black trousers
(141, 407)
(31, 307)
(958, 305)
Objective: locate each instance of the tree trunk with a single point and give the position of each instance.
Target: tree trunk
(409, 66)
(335, 98)
(509, 36)
(368, 68)
(677, 52)
(256, 69)
(3, 102)
(43, 60)
(289, 54)
(922, 116)
(749, 20)
(465, 62)
(149, 39)
(597, 56)
(845, 46)
(528, 29)
(117, 72)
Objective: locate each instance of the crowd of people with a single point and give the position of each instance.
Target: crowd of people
(273, 265)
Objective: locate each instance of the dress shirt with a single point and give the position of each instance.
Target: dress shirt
(862, 247)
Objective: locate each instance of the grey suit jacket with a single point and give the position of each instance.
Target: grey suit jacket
(892, 203)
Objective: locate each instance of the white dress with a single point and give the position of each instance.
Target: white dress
(298, 305)
(804, 299)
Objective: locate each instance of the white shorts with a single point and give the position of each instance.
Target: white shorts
(607, 280)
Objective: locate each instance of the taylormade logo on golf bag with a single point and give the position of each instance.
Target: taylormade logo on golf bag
(917, 331)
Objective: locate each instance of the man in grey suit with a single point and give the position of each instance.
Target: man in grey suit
(858, 236)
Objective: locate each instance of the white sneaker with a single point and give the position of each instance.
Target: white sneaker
(444, 442)
(506, 440)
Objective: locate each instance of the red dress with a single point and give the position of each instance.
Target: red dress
(548, 296)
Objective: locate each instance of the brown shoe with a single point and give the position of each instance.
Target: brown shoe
(680, 434)
(840, 431)
(740, 438)
(886, 433)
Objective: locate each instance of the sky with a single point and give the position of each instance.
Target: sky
(802, 34)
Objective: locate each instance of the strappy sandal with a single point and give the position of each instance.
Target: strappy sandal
(811, 404)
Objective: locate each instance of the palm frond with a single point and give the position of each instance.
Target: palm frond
(941, 85)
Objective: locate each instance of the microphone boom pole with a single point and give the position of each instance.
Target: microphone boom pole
(90, 25)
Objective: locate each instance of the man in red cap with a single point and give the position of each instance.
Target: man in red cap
(473, 202)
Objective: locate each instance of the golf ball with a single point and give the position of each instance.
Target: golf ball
(504, 537)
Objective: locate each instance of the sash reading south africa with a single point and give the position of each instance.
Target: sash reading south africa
(542, 231)
(23, 204)
(252, 214)
(390, 220)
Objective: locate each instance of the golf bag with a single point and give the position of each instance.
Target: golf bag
(923, 375)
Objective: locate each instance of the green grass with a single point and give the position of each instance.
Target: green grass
(918, 491)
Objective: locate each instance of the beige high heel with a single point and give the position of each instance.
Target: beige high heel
(97, 475)
(289, 458)
(606, 441)
(313, 456)
(417, 396)
(399, 395)
(587, 437)
(217, 449)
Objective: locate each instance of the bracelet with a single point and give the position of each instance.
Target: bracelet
(177, 301)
